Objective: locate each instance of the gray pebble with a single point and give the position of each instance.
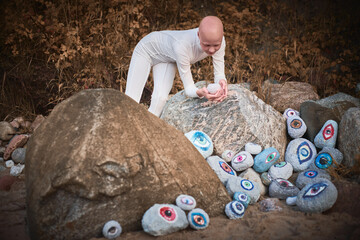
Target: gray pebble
(185, 202)
(296, 127)
(227, 155)
(282, 188)
(253, 148)
(235, 210)
(111, 229)
(281, 170)
(198, 219)
(269, 204)
(265, 178)
(18, 155)
(242, 161)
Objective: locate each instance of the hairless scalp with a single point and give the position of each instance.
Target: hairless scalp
(211, 28)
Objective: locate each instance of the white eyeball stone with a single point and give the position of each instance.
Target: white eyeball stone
(111, 229)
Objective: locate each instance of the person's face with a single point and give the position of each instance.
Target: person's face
(210, 45)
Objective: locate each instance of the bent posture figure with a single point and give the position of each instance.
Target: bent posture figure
(166, 50)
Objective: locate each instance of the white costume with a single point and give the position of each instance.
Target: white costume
(164, 51)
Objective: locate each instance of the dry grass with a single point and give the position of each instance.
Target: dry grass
(53, 49)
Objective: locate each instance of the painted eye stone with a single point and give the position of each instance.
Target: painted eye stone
(234, 210)
(239, 184)
(202, 142)
(310, 175)
(264, 160)
(327, 135)
(300, 153)
(282, 189)
(323, 160)
(221, 168)
(242, 197)
(198, 219)
(111, 229)
(280, 164)
(227, 155)
(290, 112)
(328, 157)
(242, 161)
(185, 202)
(317, 196)
(296, 127)
(253, 148)
(163, 219)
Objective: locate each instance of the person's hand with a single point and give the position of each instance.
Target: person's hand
(203, 92)
(223, 85)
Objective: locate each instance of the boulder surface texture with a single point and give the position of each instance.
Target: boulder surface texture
(101, 156)
(241, 118)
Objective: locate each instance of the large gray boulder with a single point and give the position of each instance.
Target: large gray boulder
(241, 118)
(100, 156)
(348, 138)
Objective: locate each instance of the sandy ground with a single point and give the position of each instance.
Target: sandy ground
(342, 221)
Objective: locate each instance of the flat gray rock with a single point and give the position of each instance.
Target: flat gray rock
(241, 118)
(300, 153)
(282, 188)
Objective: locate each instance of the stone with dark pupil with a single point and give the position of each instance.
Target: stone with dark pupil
(168, 213)
(323, 161)
(284, 184)
(112, 230)
(198, 219)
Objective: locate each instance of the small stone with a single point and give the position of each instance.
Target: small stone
(300, 152)
(162, 219)
(328, 157)
(2, 168)
(221, 168)
(310, 175)
(242, 197)
(198, 219)
(291, 201)
(18, 155)
(240, 184)
(289, 112)
(185, 202)
(112, 229)
(296, 127)
(281, 170)
(1, 160)
(228, 155)
(36, 123)
(242, 161)
(201, 141)
(16, 142)
(317, 196)
(253, 148)
(264, 160)
(6, 182)
(6, 131)
(265, 178)
(282, 188)
(327, 135)
(234, 210)
(15, 124)
(213, 87)
(16, 170)
(9, 163)
(2, 151)
(253, 176)
(269, 204)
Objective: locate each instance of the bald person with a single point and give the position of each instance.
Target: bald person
(166, 51)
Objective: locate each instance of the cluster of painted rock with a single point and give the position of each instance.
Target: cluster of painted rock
(13, 138)
(162, 219)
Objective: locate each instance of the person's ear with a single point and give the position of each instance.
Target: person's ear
(198, 34)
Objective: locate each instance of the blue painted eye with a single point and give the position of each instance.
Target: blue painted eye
(247, 185)
(315, 190)
(201, 141)
(237, 208)
(226, 168)
(280, 164)
(311, 174)
(304, 152)
(270, 157)
(323, 160)
(198, 219)
(187, 201)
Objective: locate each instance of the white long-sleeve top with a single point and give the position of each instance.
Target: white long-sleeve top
(183, 48)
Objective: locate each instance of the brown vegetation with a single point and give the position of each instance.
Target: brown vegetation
(52, 49)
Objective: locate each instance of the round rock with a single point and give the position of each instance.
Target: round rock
(9, 163)
(310, 175)
(18, 155)
(264, 160)
(185, 202)
(328, 157)
(296, 127)
(300, 153)
(253, 148)
(253, 176)
(201, 141)
(111, 229)
(6, 131)
(228, 155)
(240, 184)
(291, 201)
(242, 197)
(266, 178)
(282, 188)
(327, 135)
(317, 196)
(16, 170)
(281, 170)
(242, 161)
(213, 87)
(162, 219)
(289, 112)
(234, 210)
(198, 219)
(221, 168)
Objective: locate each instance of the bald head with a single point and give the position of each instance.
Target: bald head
(210, 34)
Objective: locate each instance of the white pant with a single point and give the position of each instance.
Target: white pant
(163, 74)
